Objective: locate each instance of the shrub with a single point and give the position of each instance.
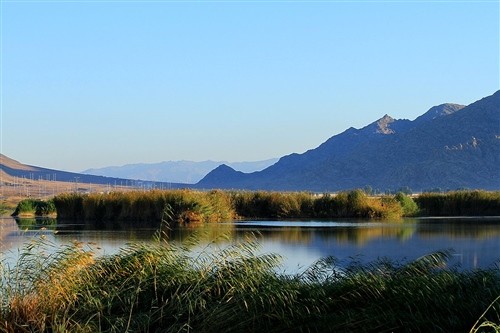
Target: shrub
(408, 205)
(35, 207)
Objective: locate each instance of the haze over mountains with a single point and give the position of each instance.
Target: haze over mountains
(188, 172)
(12, 171)
(450, 146)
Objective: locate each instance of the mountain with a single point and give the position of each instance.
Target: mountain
(11, 169)
(175, 171)
(450, 146)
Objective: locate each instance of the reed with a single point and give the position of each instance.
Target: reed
(460, 203)
(273, 204)
(162, 287)
(3, 208)
(145, 207)
(356, 204)
(190, 206)
(35, 207)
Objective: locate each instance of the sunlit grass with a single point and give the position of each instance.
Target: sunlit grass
(32, 207)
(162, 287)
(195, 206)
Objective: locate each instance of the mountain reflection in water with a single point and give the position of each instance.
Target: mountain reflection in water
(475, 241)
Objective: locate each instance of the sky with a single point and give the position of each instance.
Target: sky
(88, 84)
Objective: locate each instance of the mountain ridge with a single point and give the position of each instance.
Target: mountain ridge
(12, 168)
(183, 171)
(391, 153)
(450, 146)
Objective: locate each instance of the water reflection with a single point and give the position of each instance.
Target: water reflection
(476, 241)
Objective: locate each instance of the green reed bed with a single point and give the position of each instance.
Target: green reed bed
(460, 203)
(35, 207)
(165, 288)
(350, 204)
(213, 206)
(185, 205)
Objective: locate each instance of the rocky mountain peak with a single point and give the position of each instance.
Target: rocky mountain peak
(446, 147)
(439, 111)
(382, 125)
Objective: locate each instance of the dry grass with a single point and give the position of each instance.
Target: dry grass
(163, 288)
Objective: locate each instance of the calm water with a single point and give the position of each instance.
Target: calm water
(475, 241)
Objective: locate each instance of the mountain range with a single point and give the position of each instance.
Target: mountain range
(12, 171)
(450, 146)
(187, 172)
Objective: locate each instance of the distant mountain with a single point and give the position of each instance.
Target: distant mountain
(450, 146)
(12, 168)
(175, 171)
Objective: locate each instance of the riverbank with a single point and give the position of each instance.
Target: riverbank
(186, 206)
(162, 287)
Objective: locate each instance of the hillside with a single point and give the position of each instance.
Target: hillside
(450, 146)
(22, 179)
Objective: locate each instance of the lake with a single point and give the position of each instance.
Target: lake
(475, 241)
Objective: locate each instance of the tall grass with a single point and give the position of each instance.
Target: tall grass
(490, 319)
(273, 204)
(460, 203)
(190, 206)
(3, 208)
(165, 288)
(356, 204)
(35, 207)
(146, 207)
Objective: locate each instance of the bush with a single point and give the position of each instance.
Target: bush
(35, 207)
(409, 206)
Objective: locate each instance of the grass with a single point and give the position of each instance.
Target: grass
(163, 287)
(35, 207)
(146, 209)
(460, 203)
(4, 208)
(194, 206)
(490, 319)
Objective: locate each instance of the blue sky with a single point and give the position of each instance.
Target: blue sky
(92, 83)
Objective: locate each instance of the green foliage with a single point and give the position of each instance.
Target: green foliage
(272, 204)
(408, 205)
(356, 204)
(460, 203)
(189, 206)
(35, 207)
(3, 208)
(163, 287)
(145, 207)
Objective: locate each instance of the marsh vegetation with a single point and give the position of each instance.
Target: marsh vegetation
(162, 287)
(190, 206)
(195, 206)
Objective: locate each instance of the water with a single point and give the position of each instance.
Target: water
(475, 241)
